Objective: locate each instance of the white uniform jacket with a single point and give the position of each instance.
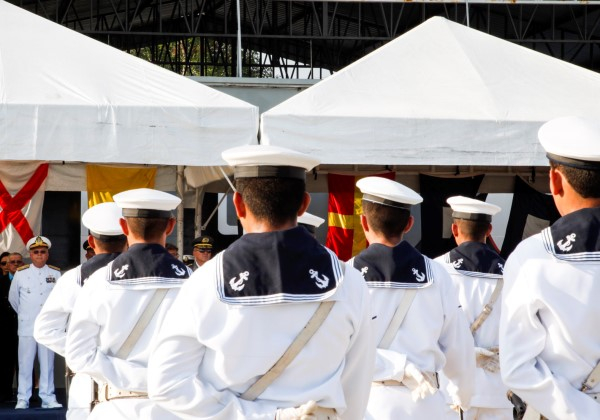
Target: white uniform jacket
(434, 334)
(50, 327)
(51, 323)
(107, 308)
(29, 289)
(549, 332)
(212, 347)
(474, 291)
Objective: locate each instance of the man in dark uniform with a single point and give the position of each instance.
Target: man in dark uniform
(89, 250)
(203, 250)
(8, 349)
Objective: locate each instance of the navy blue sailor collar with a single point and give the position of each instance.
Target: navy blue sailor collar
(473, 257)
(575, 236)
(147, 264)
(273, 267)
(93, 264)
(398, 267)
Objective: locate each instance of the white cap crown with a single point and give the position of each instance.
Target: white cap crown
(37, 242)
(471, 209)
(310, 219)
(387, 192)
(103, 219)
(572, 141)
(256, 161)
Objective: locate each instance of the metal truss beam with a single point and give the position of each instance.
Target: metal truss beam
(291, 39)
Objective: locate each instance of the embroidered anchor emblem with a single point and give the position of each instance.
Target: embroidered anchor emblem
(568, 245)
(178, 271)
(364, 270)
(501, 267)
(457, 263)
(239, 285)
(120, 272)
(320, 282)
(419, 276)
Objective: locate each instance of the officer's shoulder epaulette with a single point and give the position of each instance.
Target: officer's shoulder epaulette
(54, 267)
(23, 267)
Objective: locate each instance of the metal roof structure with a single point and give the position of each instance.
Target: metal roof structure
(295, 39)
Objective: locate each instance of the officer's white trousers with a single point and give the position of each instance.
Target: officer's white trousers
(27, 350)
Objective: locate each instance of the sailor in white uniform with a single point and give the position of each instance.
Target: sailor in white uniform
(419, 326)
(107, 240)
(118, 310)
(240, 312)
(476, 273)
(549, 332)
(28, 291)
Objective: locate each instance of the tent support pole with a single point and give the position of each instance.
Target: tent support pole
(180, 208)
(239, 40)
(198, 212)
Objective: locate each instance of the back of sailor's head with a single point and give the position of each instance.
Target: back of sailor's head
(386, 204)
(572, 145)
(473, 218)
(148, 212)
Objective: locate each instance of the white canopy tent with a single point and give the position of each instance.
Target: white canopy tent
(85, 101)
(68, 100)
(441, 94)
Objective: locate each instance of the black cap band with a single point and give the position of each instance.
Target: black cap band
(108, 238)
(147, 213)
(574, 163)
(386, 202)
(270, 172)
(476, 217)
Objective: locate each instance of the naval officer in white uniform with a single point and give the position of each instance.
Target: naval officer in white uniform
(476, 273)
(118, 310)
(549, 335)
(419, 326)
(28, 291)
(107, 240)
(240, 312)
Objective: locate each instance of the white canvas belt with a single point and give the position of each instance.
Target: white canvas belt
(431, 378)
(291, 352)
(487, 309)
(397, 319)
(107, 393)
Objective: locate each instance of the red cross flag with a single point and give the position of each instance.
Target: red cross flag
(22, 187)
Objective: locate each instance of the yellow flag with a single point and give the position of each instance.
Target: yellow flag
(104, 181)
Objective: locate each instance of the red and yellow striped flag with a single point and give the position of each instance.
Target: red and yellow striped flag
(345, 236)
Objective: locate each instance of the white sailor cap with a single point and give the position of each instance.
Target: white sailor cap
(38, 242)
(264, 161)
(103, 220)
(146, 203)
(387, 192)
(470, 209)
(310, 221)
(572, 141)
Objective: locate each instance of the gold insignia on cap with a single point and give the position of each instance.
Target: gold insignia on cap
(38, 243)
